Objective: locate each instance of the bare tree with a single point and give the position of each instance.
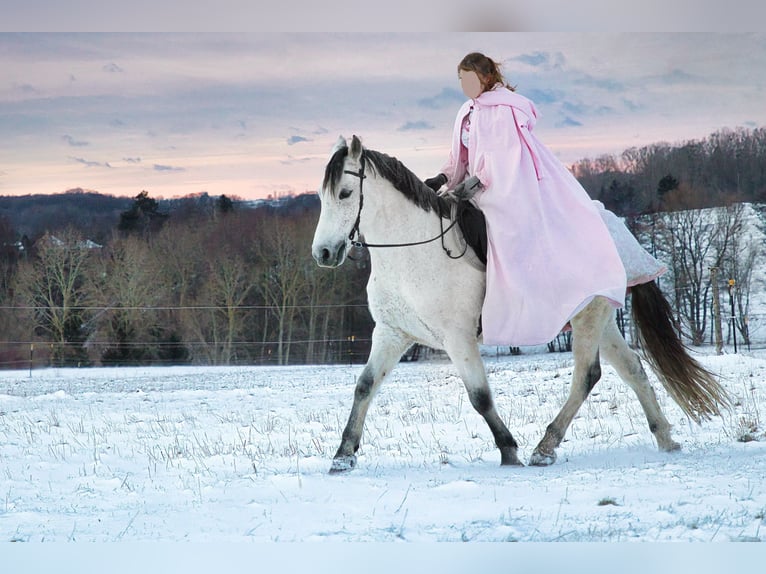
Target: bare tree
(696, 240)
(127, 287)
(12, 330)
(212, 279)
(53, 285)
(284, 258)
(742, 256)
(181, 251)
(220, 325)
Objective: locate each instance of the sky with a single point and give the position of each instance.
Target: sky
(256, 114)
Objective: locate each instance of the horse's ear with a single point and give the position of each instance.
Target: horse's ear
(356, 148)
(340, 144)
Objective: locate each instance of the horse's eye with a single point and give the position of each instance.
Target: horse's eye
(345, 193)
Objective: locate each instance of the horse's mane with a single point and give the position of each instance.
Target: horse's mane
(395, 172)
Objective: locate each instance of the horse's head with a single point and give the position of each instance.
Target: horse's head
(340, 198)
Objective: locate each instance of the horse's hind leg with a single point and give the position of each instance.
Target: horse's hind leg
(467, 359)
(627, 364)
(387, 348)
(587, 329)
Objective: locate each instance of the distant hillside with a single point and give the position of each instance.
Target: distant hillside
(291, 205)
(97, 215)
(727, 166)
(32, 215)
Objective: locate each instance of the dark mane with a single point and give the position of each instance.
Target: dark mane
(334, 169)
(395, 172)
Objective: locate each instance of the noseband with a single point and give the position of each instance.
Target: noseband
(354, 233)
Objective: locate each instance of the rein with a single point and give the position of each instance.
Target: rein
(354, 233)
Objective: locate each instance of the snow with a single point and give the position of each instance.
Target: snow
(220, 455)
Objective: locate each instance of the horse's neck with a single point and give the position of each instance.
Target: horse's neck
(408, 283)
(389, 217)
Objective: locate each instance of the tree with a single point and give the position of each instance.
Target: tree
(53, 285)
(211, 269)
(224, 205)
(727, 163)
(283, 259)
(666, 184)
(221, 324)
(741, 258)
(143, 216)
(11, 329)
(694, 240)
(128, 288)
(181, 251)
(10, 251)
(621, 198)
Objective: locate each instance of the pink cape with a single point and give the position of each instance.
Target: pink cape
(549, 251)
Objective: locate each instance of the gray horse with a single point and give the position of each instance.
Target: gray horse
(419, 291)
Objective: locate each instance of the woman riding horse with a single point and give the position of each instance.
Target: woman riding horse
(549, 252)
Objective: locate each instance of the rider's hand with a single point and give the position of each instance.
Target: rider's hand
(467, 188)
(436, 182)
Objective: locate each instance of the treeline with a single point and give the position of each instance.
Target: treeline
(714, 256)
(664, 192)
(30, 216)
(211, 280)
(216, 284)
(729, 166)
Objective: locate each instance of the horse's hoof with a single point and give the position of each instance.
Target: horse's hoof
(671, 446)
(542, 459)
(343, 464)
(510, 459)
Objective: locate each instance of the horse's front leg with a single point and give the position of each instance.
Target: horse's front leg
(387, 348)
(467, 359)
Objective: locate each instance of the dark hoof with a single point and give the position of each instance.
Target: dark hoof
(510, 459)
(343, 464)
(542, 459)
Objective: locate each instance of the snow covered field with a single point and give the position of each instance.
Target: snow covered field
(242, 453)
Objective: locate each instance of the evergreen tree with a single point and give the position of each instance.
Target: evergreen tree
(666, 184)
(224, 205)
(143, 216)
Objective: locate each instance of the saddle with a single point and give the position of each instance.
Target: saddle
(471, 221)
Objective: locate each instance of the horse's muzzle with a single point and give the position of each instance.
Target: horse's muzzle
(330, 257)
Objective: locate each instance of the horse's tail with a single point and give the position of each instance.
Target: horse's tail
(690, 385)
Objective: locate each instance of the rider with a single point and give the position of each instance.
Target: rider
(549, 251)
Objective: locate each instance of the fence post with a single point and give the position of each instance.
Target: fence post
(716, 312)
(733, 317)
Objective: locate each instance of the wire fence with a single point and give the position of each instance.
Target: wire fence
(38, 354)
(351, 346)
(349, 339)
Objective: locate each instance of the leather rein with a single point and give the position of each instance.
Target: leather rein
(355, 237)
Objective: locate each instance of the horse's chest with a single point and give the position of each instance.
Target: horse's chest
(409, 305)
(388, 303)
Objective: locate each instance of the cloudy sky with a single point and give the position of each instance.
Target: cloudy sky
(253, 115)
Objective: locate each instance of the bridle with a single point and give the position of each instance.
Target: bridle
(354, 235)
